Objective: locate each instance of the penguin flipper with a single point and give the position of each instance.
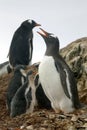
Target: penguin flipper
(62, 73)
(31, 50)
(16, 56)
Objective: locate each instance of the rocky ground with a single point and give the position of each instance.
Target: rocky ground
(75, 55)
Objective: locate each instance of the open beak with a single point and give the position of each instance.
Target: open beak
(44, 33)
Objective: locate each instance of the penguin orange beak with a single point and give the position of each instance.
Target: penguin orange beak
(44, 33)
(37, 24)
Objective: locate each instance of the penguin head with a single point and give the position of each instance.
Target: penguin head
(20, 69)
(29, 24)
(52, 42)
(36, 65)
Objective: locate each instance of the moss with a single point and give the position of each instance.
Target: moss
(75, 52)
(76, 67)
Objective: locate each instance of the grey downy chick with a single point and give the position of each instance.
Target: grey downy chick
(22, 99)
(15, 83)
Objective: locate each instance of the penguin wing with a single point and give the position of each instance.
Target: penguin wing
(19, 52)
(31, 49)
(17, 40)
(15, 45)
(63, 77)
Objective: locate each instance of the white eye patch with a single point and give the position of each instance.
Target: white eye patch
(30, 21)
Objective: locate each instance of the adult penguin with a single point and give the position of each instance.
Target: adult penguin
(56, 77)
(21, 48)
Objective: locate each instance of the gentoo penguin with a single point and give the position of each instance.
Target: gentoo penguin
(24, 99)
(56, 77)
(42, 100)
(18, 79)
(21, 48)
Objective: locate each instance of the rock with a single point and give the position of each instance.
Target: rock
(71, 128)
(74, 118)
(30, 127)
(75, 55)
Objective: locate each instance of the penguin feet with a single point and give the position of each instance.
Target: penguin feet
(30, 110)
(65, 105)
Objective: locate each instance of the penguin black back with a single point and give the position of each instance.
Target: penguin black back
(21, 48)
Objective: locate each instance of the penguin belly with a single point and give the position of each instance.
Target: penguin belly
(51, 83)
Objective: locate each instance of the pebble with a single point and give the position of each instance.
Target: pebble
(30, 127)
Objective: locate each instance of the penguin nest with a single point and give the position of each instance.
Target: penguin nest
(40, 119)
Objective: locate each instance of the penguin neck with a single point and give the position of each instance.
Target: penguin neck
(25, 32)
(51, 52)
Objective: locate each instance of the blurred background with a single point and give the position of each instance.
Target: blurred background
(67, 19)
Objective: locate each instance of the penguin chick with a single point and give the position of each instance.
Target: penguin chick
(30, 92)
(22, 101)
(21, 48)
(57, 78)
(16, 81)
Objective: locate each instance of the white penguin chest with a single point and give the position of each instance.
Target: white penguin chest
(50, 78)
(52, 86)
